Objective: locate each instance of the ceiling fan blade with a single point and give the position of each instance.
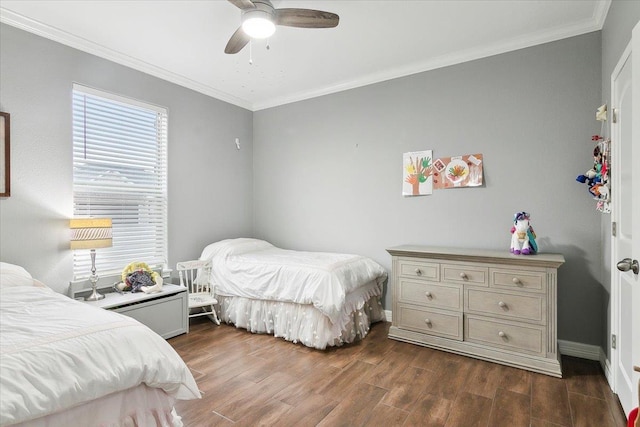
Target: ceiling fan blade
(306, 18)
(238, 40)
(243, 4)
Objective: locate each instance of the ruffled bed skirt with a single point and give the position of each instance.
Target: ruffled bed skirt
(141, 406)
(303, 323)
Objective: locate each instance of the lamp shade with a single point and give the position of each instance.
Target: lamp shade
(90, 233)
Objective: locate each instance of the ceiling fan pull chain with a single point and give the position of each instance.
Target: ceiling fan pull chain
(250, 53)
(268, 46)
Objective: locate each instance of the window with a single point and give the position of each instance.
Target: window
(120, 172)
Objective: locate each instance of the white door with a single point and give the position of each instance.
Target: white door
(626, 214)
(636, 212)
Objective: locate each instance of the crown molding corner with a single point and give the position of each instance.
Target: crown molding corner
(600, 13)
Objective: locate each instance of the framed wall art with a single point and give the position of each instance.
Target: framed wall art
(5, 160)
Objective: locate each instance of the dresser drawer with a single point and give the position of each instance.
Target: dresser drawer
(507, 335)
(428, 294)
(461, 273)
(515, 279)
(416, 269)
(529, 307)
(430, 321)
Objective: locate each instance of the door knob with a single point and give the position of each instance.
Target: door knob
(628, 264)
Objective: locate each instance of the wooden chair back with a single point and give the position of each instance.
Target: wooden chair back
(194, 275)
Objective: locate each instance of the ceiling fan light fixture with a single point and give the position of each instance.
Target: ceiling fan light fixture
(259, 20)
(258, 24)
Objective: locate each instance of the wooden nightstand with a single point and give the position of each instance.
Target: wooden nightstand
(164, 312)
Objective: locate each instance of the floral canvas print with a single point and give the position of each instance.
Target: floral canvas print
(417, 168)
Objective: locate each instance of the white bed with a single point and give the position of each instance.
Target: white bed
(316, 298)
(66, 363)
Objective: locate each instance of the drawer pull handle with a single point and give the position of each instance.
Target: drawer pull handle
(502, 304)
(428, 322)
(418, 272)
(428, 294)
(516, 281)
(502, 334)
(463, 275)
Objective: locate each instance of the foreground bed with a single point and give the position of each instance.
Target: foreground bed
(66, 363)
(318, 299)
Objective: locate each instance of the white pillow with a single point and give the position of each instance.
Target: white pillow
(234, 247)
(16, 269)
(13, 276)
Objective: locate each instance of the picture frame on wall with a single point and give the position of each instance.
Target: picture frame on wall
(5, 158)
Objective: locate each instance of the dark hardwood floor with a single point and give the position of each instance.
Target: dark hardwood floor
(251, 380)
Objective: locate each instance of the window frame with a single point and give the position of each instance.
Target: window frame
(120, 170)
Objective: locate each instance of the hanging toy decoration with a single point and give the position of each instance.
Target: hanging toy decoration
(601, 113)
(597, 178)
(523, 238)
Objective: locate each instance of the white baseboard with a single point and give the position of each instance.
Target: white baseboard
(606, 367)
(388, 315)
(583, 351)
(587, 351)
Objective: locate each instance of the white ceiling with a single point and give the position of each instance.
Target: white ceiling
(183, 41)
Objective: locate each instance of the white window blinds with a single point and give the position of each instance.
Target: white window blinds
(120, 172)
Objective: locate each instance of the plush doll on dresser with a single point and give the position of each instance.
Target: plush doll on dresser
(523, 238)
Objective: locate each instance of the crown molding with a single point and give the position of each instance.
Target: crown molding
(19, 21)
(587, 26)
(595, 23)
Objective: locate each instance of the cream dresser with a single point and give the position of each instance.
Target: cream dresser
(491, 305)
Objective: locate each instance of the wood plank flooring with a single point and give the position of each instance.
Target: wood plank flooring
(258, 380)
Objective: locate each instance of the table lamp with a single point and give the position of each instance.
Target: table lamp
(91, 233)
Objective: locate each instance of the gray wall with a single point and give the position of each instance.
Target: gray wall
(328, 171)
(616, 35)
(209, 198)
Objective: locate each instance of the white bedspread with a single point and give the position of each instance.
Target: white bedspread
(256, 269)
(56, 353)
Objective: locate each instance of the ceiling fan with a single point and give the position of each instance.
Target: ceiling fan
(259, 20)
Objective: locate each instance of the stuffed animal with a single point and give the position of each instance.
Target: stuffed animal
(138, 277)
(595, 175)
(523, 238)
(590, 177)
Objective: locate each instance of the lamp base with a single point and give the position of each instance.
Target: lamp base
(95, 296)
